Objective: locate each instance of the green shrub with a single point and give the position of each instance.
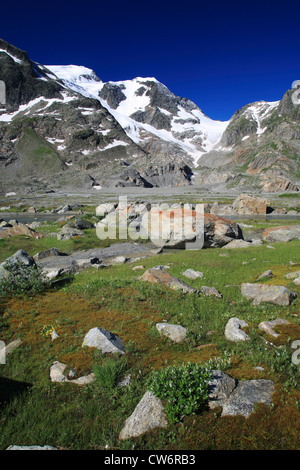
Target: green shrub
(184, 388)
(21, 280)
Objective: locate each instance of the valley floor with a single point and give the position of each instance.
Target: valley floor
(36, 411)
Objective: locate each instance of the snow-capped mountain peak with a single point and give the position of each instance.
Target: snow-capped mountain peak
(148, 110)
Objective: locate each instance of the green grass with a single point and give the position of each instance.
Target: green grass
(37, 154)
(32, 246)
(36, 411)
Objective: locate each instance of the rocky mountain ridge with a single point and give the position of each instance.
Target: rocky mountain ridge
(62, 127)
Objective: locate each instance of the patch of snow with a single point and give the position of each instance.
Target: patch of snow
(115, 143)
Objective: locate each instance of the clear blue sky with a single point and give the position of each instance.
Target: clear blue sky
(221, 55)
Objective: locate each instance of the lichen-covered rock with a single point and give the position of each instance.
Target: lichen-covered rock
(19, 229)
(263, 293)
(246, 395)
(176, 333)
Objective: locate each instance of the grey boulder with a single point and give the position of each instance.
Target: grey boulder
(103, 340)
(148, 414)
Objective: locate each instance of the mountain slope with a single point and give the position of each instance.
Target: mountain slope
(259, 149)
(153, 117)
(63, 128)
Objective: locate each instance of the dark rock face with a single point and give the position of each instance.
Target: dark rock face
(127, 178)
(24, 79)
(112, 94)
(168, 175)
(238, 128)
(154, 117)
(160, 96)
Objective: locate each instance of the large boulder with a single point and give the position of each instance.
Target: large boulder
(247, 204)
(104, 340)
(177, 226)
(219, 231)
(263, 293)
(19, 229)
(148, 414)
(282, 234)
(246, 395)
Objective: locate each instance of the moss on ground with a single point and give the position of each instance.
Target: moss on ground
(91, 417)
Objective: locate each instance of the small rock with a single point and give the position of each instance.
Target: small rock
(11, 347)
(157, 275)
(136, 268)
(267, 274)
(68, 232)
(57, 372)
(48, 253)
(191, 274)
(126, 381)
(54, 335)
(233, 330)
(237, 244)
(175, 332)
(256, 242)
(293, 275)
(13, 447)
(84, 380)
(210, 291)
(119, 260)
(64, 209)
(72, 373)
